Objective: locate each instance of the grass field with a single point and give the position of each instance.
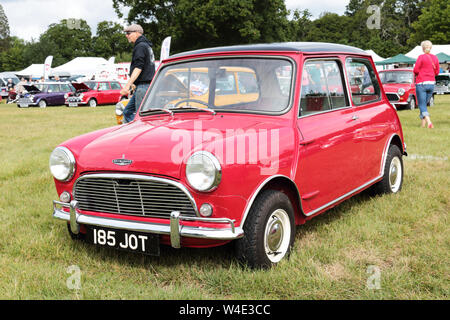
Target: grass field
(390, 247)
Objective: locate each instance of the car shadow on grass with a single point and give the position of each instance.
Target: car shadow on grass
(210, 258)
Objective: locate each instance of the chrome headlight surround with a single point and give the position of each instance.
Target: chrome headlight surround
(401, 91)
(203, 171)
(62, 164)
(119, 108)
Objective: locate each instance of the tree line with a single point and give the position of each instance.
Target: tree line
(388, 27)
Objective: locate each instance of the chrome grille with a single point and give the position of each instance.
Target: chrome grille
(25, 101)
(132, 196)
(392, 96)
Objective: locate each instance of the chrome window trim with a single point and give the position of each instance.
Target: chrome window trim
(145, 178)
(380, 85)
(345, 86)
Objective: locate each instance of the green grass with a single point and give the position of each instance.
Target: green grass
(405, 236)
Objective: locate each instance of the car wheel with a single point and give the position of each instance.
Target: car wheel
(268, 232)
(431, 102)
(92, 103)
(393, 173)
(412, 104)
(42, 104)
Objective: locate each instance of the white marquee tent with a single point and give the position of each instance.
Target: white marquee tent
(34, 70)
(86, 66)
(375, 57)
(435, 49)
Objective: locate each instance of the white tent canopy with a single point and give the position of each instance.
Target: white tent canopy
(34, 70)
(435, 49)
(375, 57)
(86, 66)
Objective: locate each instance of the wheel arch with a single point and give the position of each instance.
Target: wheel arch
(285, 185)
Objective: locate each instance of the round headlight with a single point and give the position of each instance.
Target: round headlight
(401, 91)
(203, 171)
(62, 164)
(119, 108)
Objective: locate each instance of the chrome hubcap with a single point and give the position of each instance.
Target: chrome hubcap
(277, 235)
(395, 174)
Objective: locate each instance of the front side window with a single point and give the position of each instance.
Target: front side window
(233, 84)
(322, 87)
(103, 86)
(364, 86)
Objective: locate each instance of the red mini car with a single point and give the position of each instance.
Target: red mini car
(241, 144)
(93, 93)
(400, 88)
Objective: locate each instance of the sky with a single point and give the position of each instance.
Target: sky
(28, 19)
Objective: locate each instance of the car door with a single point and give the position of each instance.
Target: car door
(373, 113)
(115, 91)
(104, 93)
(328, 167)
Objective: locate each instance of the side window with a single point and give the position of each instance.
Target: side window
(225, 84)
(284, 76)
(65, 88)
(363, 82)
(102, 86)
(115, 86)
(322, 87)
(247, 82)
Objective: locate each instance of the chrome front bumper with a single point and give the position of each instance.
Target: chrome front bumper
(175, 230)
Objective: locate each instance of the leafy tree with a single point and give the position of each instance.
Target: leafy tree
(205, 23)
(300, 25)
(433, 24)
(110, 40)
(66, 40)
(13, 58)
(4, 29)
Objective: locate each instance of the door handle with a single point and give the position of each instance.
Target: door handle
(355, 118)
(306, 142)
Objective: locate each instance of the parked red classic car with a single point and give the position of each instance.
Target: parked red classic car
(240, 143)
(94, 93)
(400, 88)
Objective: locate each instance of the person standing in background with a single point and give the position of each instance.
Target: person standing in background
(142, 69)
(425, 69)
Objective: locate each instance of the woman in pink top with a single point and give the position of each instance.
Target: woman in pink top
(425, 69)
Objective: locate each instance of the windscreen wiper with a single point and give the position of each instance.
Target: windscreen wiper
(197, 108)
(147, 112)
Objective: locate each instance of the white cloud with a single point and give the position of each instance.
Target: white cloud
(30, 18)
(316, 7)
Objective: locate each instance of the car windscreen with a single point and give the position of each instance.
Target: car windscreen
(396, 77)
(233, 84)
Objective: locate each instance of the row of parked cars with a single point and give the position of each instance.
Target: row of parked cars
(90, 93)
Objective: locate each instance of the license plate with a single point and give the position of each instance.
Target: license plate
(133, 241)
(24, 105)
(73, 104)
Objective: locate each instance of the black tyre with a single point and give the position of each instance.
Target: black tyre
(412, 104)
(393, 173)
(269, 231)
(92, 103)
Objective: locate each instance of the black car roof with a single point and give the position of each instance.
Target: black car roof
(308, 47)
